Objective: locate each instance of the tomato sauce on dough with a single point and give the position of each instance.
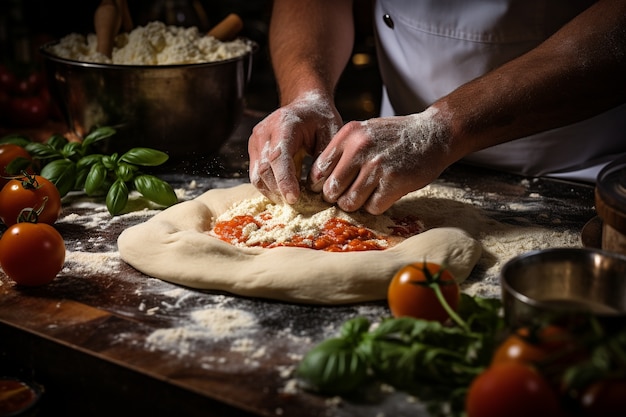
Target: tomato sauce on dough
(336, 234)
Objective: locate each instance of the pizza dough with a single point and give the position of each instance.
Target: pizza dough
(175, 246)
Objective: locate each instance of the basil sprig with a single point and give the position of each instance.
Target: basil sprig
(74, 165)
(434, 361)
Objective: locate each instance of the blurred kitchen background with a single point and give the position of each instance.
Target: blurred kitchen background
(26, 24)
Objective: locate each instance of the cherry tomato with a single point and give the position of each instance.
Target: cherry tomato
(30, 192)
(409, 294)
(549, 343)
(32, 254)
(28, 111)
(511, 389)
(606, 398)
(10, 152)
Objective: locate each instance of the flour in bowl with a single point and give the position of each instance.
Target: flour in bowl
(153, 44)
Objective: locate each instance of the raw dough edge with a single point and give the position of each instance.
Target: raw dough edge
(174, 246)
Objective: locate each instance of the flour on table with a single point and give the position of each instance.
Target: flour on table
(206, 324)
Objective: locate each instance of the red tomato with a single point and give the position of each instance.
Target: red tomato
(606, 398)
(546, 344)
(30, 192)
(511, 389)
(9, 152)
(28, 111)
(32, 254)
(409, 294)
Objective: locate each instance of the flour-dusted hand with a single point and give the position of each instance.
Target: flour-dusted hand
(372, 164)
(308, 123)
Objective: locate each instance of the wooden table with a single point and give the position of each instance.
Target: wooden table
(106, 340)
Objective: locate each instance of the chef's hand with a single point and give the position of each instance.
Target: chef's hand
(307, 123)
(372, 164)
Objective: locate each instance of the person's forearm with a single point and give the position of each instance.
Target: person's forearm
(310, 44)
(575, 74)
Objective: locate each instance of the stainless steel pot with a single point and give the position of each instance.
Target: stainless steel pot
(564, 282)
(184, 110)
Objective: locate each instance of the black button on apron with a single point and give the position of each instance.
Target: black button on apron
(388, 20)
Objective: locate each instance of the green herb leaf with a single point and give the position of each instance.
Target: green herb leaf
(57, 142)
(89, 160)
(43, 151)
(117, 197)
(61, 172)
(97, 135)
(72, 149)
(16, 139)
(333, 366)
(155, 189)
(95, 179)
(16, 166)
(145, 157)
(125, 171)
(110, 161)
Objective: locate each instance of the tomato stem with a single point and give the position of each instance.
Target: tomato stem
(434, 282)
(455, 317)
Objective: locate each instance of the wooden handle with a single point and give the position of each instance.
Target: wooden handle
(127, 21)
(107, 22)
(228, 28)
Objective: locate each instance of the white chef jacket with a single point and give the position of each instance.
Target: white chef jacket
(427, 48)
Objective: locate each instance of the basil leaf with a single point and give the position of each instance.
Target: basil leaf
(71, 149)
(16, 166)
(110, 161)
(117, 197)
(353, 329)
(95, 179)
(61, 172)
(125, 171)
(145, 157)
(333, 366)
(16, 139)
(43, 151)
(97, 135)
(81, 177)
(155, 189)
(57, 141)
(89, 160)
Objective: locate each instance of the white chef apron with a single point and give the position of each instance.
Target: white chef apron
(427, 48)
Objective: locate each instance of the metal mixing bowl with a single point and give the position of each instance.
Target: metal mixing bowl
(564, 281)
(184, 110)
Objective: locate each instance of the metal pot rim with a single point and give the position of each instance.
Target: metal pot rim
(44, 50)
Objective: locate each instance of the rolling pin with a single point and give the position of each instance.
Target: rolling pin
(228, 28)
(110, 16)
(107, 22)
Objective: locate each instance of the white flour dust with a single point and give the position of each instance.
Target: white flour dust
(213, 323)
(500, 241)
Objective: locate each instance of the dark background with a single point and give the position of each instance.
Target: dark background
(26, 24)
